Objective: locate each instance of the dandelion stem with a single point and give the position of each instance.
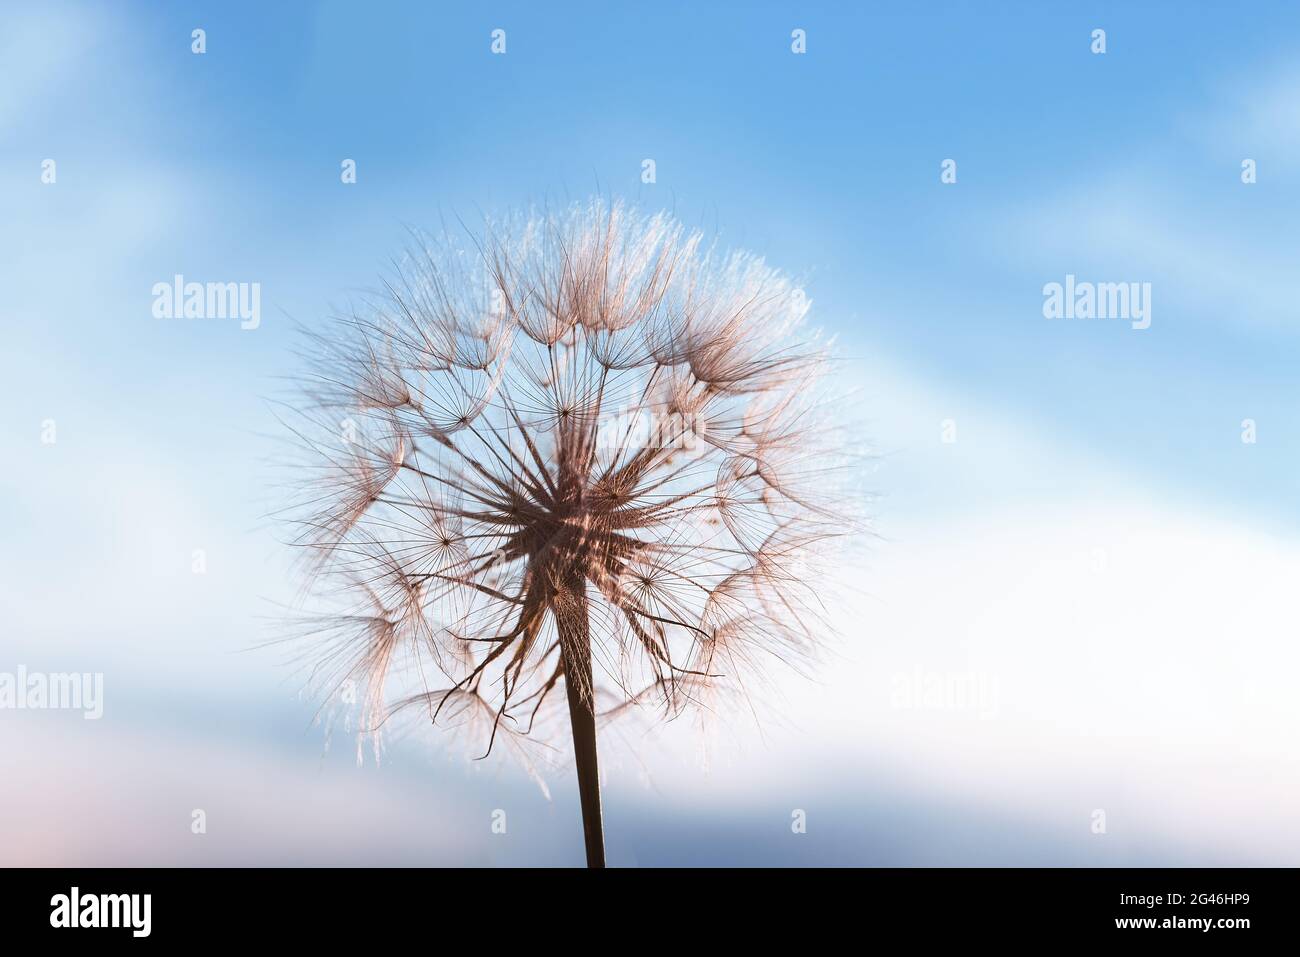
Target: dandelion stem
(576, 649)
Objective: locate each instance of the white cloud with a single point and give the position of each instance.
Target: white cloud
(1097, 649)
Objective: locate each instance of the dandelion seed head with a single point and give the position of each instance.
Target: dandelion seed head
(501, 511)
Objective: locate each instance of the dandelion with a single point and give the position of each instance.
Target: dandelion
(586, 461)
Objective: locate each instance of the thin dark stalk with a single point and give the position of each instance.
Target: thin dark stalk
(576, 644)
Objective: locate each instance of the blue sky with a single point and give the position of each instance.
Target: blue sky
(1072, 437)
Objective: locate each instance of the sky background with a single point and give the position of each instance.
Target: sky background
(1098, 549)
